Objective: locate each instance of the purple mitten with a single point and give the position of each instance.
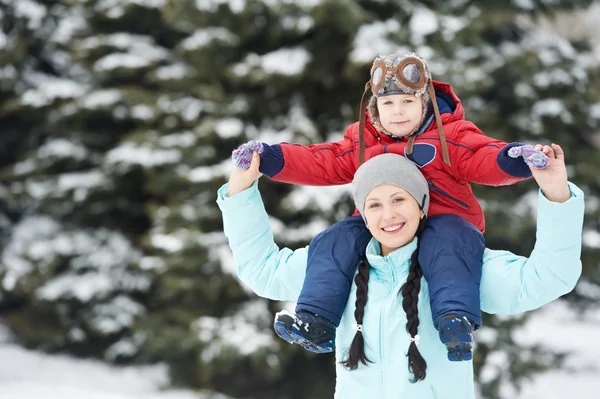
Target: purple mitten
(242, 156)
(255, 146)
(532, 157)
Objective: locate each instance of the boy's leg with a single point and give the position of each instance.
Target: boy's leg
(451, 256)
(332, 259)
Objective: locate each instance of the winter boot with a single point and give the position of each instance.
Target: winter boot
(457, 334)
(314, 333)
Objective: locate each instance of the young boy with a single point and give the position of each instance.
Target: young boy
(450, 153)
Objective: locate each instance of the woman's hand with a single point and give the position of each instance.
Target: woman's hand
(241, 179)
(553, 179)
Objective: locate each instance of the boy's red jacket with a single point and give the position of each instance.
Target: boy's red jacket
(474, 158)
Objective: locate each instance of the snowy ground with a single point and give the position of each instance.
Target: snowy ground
(558, 327)
(31, 375)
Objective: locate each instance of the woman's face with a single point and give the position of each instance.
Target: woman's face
(392, 216)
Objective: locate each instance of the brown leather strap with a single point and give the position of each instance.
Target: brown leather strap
(410, 144)
(438, 120)
(361, 125)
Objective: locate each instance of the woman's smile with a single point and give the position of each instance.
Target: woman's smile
(393, 228)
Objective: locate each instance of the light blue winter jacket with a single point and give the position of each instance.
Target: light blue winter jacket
(510, 284)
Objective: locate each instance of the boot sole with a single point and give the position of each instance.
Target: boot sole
(456, 335)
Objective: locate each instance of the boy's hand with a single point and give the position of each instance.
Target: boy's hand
(241, 179)
(552, 179)
(533, 158)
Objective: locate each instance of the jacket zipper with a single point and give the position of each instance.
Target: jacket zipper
(381, 327)
(445, 194)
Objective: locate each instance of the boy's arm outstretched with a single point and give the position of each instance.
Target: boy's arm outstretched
(480, 159)
(324, 164)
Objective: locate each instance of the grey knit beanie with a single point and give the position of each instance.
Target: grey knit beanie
(389, 169)
(394, 86)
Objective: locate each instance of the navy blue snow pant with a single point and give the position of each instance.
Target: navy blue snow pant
(450, 255)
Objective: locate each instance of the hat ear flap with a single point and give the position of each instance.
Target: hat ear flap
(374, 114)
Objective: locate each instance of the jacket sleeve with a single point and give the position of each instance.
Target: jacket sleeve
(324, 164)
(270, 272)
(480, 159)
(512, 284)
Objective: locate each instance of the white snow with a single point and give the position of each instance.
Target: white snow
(61, 148)
(71, 23)
(306, 232)
(172, 72)
(372, 40)
(81, 287)
(325, 197)
(188, 108)
(13, 264)
(182, 139)
(552, 107)
(204, 37)
(268, 134)
(51, 89)
(591, 238)
(423, 22)
(239, 330)
(100, 99)
(588, 290)
(142, 112)
(120, 60)
(114, 8)
(130, 153)
(301, 24)
(33, 375)
(3, 39)
(451, 25)
(285, 61)
(114, 316)
(24, 167)
(87, 180)
(524, 4)
(167, 242)
(298, 120)
(236, 6)
(207, 173)
(152, 263)
(558, 327)
(594, 111)
(135, 51)
(32, 11)
(229, 127)
(8, 72)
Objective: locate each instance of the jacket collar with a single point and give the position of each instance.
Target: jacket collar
(398, 260)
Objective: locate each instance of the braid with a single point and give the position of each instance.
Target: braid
(357, 348)
(410, 301)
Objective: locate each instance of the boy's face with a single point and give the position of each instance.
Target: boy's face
(400, 114)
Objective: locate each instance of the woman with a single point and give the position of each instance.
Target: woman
(380, 325)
